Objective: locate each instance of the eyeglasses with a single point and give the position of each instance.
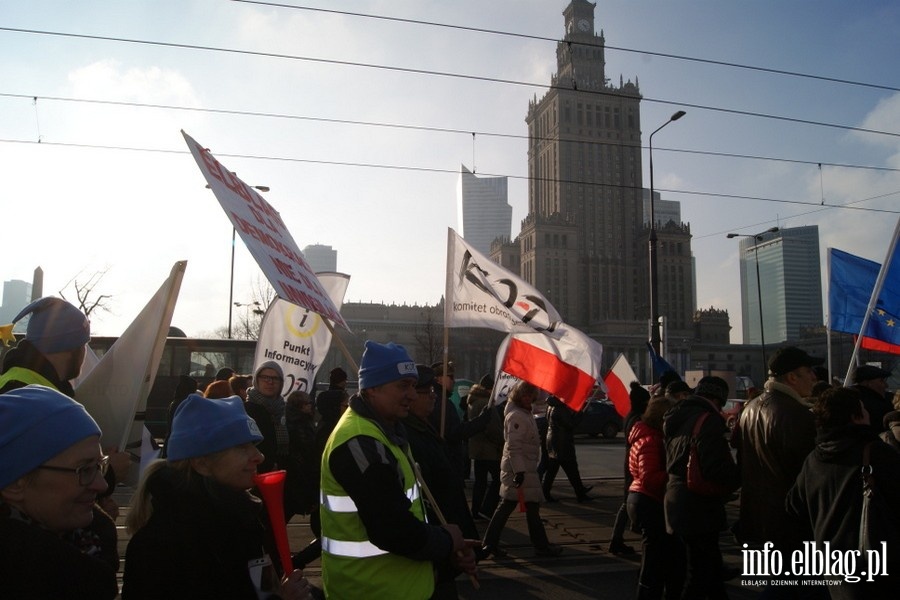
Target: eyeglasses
(269, 378)
(86, 474)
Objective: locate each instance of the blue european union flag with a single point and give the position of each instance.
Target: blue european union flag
(852, 281)
(660, 364)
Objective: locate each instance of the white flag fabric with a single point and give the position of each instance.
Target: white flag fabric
(566, 365)
(91, 360)
(148, 452)
(297, 338)
(481, 293)
(115, 391)
(266, 236)
(618, 384)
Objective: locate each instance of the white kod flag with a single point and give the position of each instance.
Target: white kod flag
(481, 293)
(297, 338)
(266, 237)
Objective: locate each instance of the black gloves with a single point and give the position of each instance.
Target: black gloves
(520, 479)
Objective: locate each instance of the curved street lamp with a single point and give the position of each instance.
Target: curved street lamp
(654, 289)
(762, 330)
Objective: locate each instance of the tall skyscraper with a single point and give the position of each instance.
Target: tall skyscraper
(483, 211)
(584, 243)
(790, 280)
(16, 296)
(584, 198)
(320, 258)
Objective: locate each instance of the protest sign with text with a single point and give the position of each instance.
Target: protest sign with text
(266, 237)
(297, 338)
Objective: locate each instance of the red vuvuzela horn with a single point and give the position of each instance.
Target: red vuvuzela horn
(271, 488)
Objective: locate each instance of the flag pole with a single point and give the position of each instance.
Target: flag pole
(873, 301)
(340, 343)
(446, 362)
(828, 320)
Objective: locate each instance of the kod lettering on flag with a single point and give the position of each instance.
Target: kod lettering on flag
(297, 338)
(481, 293)
(266, 237)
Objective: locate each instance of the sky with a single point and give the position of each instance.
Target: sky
(90, 186)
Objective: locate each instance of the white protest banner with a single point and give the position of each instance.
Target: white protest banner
(566, 365)
(297, 338)
(481, 293)
(115, 391)
(266, 236)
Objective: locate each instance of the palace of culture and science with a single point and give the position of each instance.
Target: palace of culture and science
(584, 241)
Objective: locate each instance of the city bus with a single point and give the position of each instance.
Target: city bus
(197, 358)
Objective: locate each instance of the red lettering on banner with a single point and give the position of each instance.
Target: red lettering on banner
(303, 299)
(284, 268)
(212, 165)
(265, 238)
(264, 221)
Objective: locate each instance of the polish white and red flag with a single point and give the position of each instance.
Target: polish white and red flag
(618, 384)
(566, 365)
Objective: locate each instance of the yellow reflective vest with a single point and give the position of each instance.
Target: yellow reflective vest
(352, 566)
(26, 376)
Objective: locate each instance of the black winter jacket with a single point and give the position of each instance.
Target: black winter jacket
(198, 542)
(828, 495)
(688, 513)
(36, 564)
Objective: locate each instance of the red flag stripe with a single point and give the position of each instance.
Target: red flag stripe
(618, 393)
(547, 371)
(879, 346)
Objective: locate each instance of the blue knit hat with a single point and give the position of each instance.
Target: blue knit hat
(36, 424)
(384, 363)
(204, 426)
(55, 325)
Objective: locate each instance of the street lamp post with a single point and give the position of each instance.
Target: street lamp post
(231, 303)
(762, 330)
(654, 290)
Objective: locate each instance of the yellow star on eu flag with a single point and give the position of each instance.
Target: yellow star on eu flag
(6, 334)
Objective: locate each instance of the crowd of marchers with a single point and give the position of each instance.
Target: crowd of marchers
(382, 476)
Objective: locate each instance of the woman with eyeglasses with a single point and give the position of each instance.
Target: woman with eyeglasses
(197, 532)
(266, 405)
(51, 471)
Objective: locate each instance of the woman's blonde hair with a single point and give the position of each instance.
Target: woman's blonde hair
(141, 504)
(520, 389)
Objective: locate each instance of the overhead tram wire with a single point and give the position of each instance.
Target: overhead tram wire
(588, 44)
(445, 171)
(818, 209)
(446, 74)
(433, 129)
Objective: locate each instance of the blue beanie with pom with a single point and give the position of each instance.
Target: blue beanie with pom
(204, 426)
(384, 363)
(36, 424)
(55, 325)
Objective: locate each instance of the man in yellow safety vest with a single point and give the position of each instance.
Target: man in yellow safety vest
(376, 542)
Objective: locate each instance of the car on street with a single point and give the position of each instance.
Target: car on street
(599, 417)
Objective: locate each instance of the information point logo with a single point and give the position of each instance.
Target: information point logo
(814, 564)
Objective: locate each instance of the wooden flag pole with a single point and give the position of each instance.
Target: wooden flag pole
(340, 343)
